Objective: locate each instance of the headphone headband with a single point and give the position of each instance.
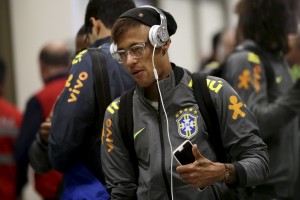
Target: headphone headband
(158, 34)
(163, 19)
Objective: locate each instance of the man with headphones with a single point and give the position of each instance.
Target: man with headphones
(165, 114)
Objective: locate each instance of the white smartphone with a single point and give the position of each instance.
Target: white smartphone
(183, 154)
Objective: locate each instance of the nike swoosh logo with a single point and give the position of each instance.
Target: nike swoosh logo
(138, 132)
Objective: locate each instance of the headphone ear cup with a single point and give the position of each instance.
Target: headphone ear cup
(154, 37)
(113, 48)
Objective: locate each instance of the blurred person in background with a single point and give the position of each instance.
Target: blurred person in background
(54, 61)
(223, 45)
(293, 55)
(10, 121)
(76, 124)
(293, 58)
(212, 58)
(262, 79)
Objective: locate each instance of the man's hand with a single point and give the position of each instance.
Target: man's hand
(202, 172)
(45, 130)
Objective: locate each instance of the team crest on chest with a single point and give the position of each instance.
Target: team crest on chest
(187, 122)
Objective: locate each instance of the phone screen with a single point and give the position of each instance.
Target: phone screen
(185, 155)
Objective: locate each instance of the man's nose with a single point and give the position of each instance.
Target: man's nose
(130, 58)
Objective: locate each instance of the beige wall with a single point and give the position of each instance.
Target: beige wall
(35, 22)
(6, 50)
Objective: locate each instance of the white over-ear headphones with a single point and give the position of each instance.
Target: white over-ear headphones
(158, 34)
(113, 49)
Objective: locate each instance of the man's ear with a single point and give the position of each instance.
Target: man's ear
(96, 25)
(165, 47)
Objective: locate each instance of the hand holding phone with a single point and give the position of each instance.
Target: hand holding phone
(183, 154)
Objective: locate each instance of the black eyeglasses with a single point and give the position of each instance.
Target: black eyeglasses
(135, 51)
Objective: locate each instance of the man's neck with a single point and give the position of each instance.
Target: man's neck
(151, 92)
(104, 33)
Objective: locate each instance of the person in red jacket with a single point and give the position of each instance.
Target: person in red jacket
(54, 60)
(10, 120)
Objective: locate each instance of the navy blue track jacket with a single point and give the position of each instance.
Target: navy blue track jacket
(76, 133)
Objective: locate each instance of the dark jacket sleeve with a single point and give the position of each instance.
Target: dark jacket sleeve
(240, 134)
(38, 156)
(73, 119)
(32, 119)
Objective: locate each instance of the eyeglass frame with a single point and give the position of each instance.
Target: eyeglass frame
(126, 51)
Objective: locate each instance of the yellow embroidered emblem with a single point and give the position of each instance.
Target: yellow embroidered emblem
(278, 79)
(236, 107)
(252, 57)
(214, 85)
(245, 79)
(107, 135)
(211, 84)
(77, 58)
(75, 91)
(113, 106)
(256, 78)
(187, 122)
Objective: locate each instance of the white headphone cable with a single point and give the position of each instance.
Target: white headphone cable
(167, 121)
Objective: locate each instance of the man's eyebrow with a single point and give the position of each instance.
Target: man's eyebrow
(133, 44)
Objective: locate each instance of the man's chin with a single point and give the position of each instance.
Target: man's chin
(143, 84)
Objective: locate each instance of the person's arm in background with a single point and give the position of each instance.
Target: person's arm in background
(32, 119)
(74, 115)
(38, 152)
(239, 72)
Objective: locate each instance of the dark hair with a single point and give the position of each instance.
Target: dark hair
(2, 71)
(105, 10)
(266, 22)
(216, 40)
(59, 58)
(81, 31)
(122, 26)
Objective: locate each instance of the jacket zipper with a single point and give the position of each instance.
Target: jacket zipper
(163, 167)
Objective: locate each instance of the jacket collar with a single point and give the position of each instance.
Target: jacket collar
(167, 85)
(100, 42)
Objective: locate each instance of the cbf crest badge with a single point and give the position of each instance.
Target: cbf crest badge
(187, 122)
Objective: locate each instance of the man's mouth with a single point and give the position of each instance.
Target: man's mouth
(136, 73)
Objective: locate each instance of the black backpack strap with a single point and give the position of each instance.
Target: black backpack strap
(101, 80)
(126, 126)
(207, 109)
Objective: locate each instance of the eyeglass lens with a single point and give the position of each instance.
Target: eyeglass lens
(135, 51)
